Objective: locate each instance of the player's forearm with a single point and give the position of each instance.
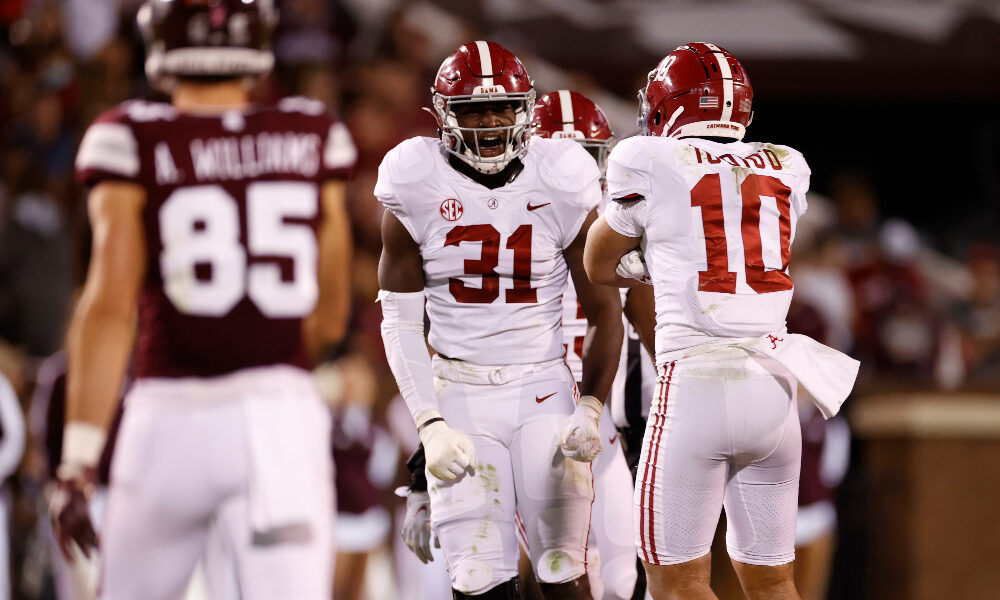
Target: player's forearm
(640, 310)
(327, 325)
(601, 255)
(99, 344)
(601, 268)
(602, 349)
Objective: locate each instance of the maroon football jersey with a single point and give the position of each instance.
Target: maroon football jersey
(230, 222)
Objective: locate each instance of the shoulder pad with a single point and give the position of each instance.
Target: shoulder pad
(634, 152)
(790, 158)
(628, 169)
(565, 165)
(410, 161)
(110, 144)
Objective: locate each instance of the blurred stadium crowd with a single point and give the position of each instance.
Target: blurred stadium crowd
(917, 318)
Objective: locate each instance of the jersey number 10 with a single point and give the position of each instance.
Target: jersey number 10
(707, 194)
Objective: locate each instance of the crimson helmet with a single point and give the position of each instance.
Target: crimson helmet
(483, 72)
(566, 114)
(206, 38)
(698, 89)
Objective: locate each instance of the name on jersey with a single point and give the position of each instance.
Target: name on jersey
(760, 159)
(254, 155)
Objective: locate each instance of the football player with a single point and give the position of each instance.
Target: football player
(219, 230)
(566, 114)
(486, 229)
(709, 219)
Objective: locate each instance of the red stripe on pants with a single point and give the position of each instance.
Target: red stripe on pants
(655, 454)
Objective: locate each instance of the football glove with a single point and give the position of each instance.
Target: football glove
(69, 510)
(633, 266)
(417, 526)
(449, 453)
(581, 435)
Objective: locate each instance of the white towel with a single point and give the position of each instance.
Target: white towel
(279, 479)
(827, 374)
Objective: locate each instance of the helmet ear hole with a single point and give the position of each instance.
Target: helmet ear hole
(658, 117)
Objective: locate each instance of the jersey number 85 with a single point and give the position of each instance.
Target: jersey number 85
(200, 225)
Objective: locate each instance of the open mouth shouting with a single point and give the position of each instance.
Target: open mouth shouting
(491, 144)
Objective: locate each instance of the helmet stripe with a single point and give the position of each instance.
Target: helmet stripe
(566, 104)
(485, 63)
(727, 82)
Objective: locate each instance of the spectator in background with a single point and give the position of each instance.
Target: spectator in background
(366, 457)
(820, 272)
(897, 331)
(313, 31)
(856, 202)
(36, 254)
(978, 317)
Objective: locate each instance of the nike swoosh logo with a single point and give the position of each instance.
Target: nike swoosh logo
(537, 206)
(614, 439)
(544, 398)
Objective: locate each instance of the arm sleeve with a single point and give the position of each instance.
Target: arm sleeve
(406, 349)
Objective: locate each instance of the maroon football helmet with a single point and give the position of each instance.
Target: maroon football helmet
(483, 72)
(566, 114)
(206, 38)
(699, 89)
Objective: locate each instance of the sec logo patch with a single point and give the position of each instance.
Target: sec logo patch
(451, 209)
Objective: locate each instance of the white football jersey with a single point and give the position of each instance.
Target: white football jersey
(493, 259)
(717, 222)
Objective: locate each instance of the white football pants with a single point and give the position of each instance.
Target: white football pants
(723, 431)
(612, 574)
(513, 415)
(195, 454)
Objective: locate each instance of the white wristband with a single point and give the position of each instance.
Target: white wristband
(82, 444)
(591, 405)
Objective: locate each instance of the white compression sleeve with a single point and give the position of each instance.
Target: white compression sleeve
(406, 350)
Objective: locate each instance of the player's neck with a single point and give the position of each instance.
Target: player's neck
(213, 97)
(491, 181)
